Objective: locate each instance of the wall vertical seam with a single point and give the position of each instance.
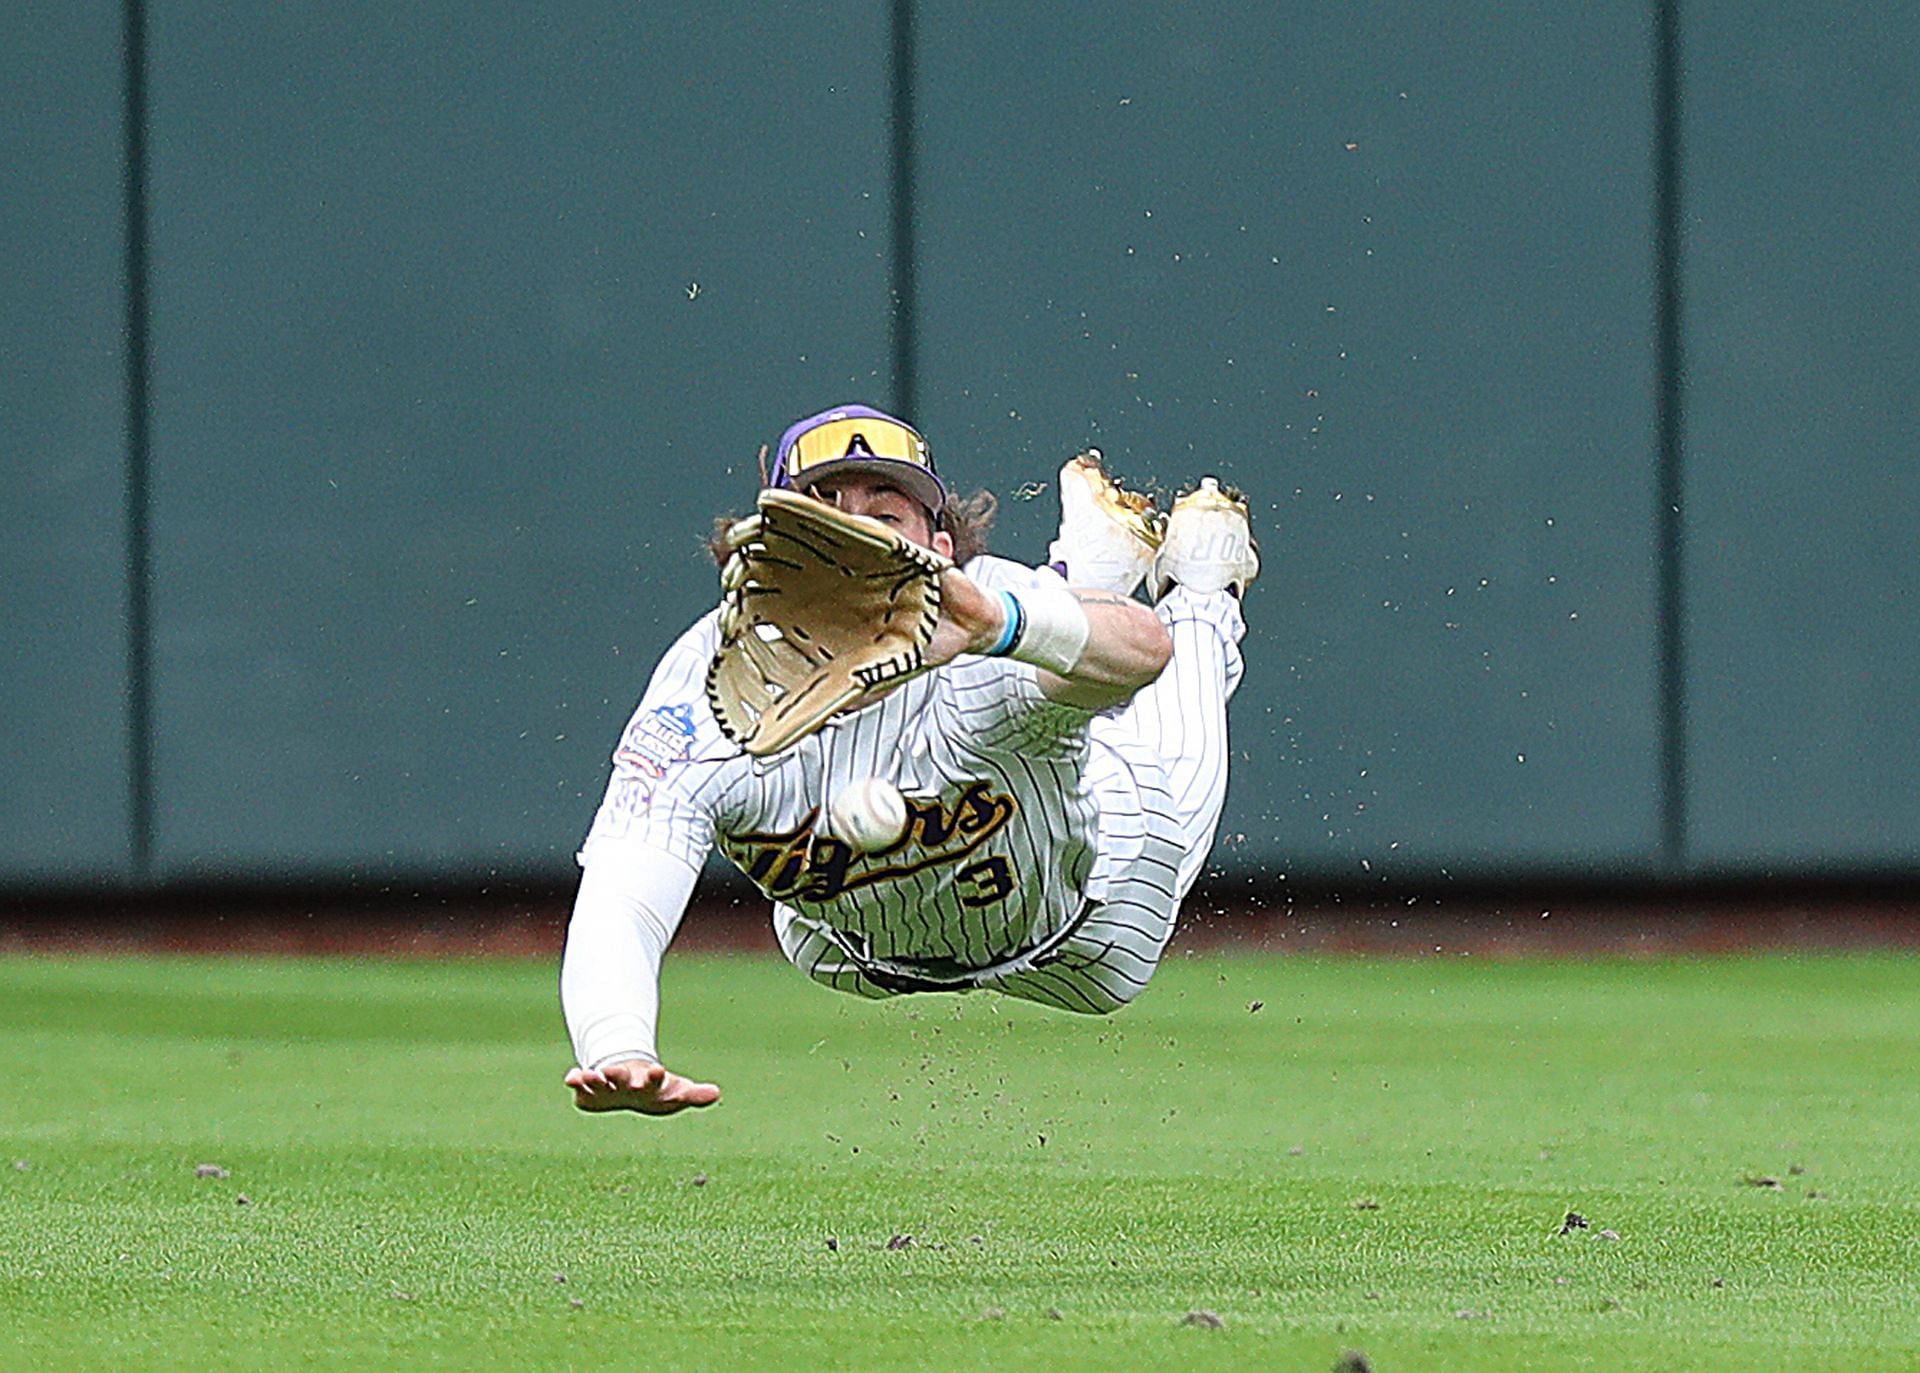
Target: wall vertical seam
(1670, 372)
(900, 284)
(138, 440)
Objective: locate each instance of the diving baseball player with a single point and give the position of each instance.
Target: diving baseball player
(1063, 764)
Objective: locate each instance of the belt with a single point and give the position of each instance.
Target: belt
(950, 975)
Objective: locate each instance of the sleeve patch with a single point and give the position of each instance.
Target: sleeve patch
(657, 739)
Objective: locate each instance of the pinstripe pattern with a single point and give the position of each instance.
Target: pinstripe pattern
(1047, 849)
(1159, 769)
(1182, 717)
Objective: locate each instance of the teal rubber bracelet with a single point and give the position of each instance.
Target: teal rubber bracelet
(1016, 625)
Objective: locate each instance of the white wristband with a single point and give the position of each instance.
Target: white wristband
(1051, 629)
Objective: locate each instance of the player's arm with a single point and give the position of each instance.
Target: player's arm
(631, 900)
(1094, 648)
(1127, 647)
(639, 865)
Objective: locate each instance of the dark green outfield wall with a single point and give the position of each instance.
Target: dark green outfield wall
(1388, 267)
(65, 810)
(458, 326)
(1803, 329)
(464, 327)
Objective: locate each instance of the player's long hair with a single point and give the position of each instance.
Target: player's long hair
(968, 519)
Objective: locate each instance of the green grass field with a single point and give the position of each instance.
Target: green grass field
(1379, 1158)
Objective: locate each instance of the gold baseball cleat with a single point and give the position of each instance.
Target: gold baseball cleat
(1108, 534)
(1209, 543)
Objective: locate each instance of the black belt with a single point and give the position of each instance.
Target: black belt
(947, 974)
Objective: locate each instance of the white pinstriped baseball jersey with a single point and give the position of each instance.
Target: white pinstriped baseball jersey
(1047, 849)
(1002, 831)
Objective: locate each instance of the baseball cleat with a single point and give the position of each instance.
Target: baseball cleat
(1108, 534)
(1209, 543)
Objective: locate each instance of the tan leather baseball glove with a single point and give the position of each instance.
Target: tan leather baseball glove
(820, 611)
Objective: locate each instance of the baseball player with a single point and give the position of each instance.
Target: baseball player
(1064, 765)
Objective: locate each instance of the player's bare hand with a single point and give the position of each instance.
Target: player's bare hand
(971, 621)
(638, 1085)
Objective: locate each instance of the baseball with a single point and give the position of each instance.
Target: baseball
(869, 815)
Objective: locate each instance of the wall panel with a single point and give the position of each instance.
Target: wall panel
(1387, 266)
(467, 322)
(1803, 480)
(64, 808)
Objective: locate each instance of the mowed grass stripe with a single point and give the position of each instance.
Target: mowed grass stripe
(1379, 1154)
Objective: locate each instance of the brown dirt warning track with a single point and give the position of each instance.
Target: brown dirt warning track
(531, 922)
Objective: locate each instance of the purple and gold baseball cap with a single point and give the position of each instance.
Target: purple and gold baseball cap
(858, 438)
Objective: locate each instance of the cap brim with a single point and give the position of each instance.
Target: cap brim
(917, 482)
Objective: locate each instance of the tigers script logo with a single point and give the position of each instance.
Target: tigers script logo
(800, 866)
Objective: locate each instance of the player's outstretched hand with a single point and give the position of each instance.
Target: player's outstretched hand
(637, 1085)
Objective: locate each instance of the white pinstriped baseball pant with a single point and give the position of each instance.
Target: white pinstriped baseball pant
(1160, 764)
